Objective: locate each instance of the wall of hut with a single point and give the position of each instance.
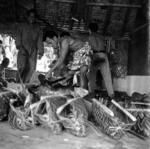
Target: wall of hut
(139, 51)
(138, 76)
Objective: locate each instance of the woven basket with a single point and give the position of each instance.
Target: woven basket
(18, 118)
(5, 97)
(107, 121)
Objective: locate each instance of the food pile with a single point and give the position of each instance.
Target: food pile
(72, 109)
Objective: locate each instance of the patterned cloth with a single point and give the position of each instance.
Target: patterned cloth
(81, 57)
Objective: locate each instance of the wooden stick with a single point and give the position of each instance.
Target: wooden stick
(65, 1)
(114, 5)
(141, 103)
(138, 110)
(51, 96)
(139, 28)
(136, 134)
(124, 111)
(60, 109)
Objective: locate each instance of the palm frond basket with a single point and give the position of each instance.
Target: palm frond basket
(108, 122)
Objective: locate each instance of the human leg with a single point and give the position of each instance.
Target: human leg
(106, 74)
(92, 78)
(31, 67)
(83, 77)
(21, 65)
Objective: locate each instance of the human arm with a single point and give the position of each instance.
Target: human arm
(80, 36)
(96, 42)
(63, 53)
(40, 45)
(3, 52)
(18, 40)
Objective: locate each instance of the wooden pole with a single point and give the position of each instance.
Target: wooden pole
(102, 4)
(114, 5)
(65, 1)
(124, 111)
(141, 103)
(139, 28)
(138, 110)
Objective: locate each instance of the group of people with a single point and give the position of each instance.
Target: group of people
(76, 54)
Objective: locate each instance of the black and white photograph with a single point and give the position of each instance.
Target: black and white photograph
(74, 74)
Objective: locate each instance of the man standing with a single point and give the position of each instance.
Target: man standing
(30, 45)
(99, 61)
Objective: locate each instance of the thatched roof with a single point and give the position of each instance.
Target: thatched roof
(115, 17)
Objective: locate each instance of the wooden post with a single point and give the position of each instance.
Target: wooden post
(114, 5)
(108, 18)
(124, 27)
(139, 52)
(149, 32)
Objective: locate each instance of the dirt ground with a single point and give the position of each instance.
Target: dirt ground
(42, 138)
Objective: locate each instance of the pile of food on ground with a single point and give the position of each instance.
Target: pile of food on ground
(72, 109)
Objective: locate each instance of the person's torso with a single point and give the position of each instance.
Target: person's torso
(74, 45)
(96, 42)
(30, 35)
